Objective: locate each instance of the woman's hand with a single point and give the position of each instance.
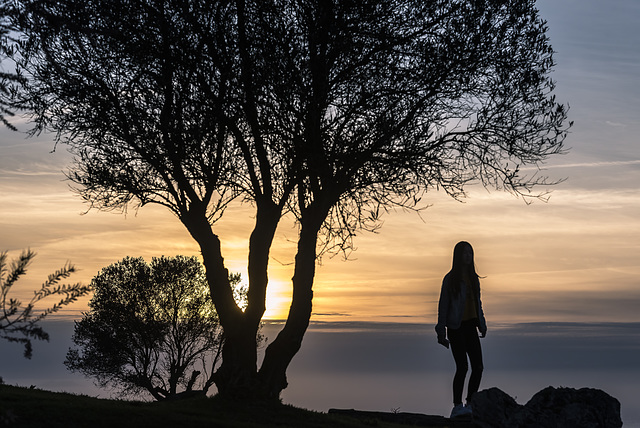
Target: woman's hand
(443, 341)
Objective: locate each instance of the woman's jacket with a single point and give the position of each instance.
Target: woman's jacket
(451, 307)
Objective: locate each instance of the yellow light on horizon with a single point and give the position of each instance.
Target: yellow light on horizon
(279, 295)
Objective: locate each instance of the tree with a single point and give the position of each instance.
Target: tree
(151, 328)
(21, 323)
(7, 78)
(329, 111)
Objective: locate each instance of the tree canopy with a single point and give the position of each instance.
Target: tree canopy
(330, 111)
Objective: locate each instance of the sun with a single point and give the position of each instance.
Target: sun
(279, 295)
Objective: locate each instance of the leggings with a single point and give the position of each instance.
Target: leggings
(465, 341)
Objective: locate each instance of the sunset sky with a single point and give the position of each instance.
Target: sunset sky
(574, 258)
(556, 275)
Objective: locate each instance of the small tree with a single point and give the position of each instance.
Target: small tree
(150, 328)
(19, 323)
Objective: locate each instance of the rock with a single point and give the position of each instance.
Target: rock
(492, 408)
(568, 407)
(549, 408)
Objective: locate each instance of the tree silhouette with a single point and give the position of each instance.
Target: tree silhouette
(151, 328)
(329, 111)
(7, 78)
(21, 323)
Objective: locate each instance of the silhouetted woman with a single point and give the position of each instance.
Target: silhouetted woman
(460, 316)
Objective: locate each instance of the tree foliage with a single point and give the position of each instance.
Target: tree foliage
(151, 328)
(21, 323)
(331, 111)
(8, 77)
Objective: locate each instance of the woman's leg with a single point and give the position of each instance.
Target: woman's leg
(459, 351)
(474, 350)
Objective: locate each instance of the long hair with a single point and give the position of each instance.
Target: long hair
(459, 268)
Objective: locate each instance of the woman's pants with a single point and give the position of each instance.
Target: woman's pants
(465, 341)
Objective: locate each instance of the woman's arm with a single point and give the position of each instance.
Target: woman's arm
(482, 327)
(443, 310)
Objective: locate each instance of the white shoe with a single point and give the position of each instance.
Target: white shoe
(460, 410)
(468, 409)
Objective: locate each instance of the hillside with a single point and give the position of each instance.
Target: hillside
(34, 408)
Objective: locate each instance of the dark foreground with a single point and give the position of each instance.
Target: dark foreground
(25, 407)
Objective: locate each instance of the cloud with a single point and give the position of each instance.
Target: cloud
(21, 173)
(330, 314)
(594, 164)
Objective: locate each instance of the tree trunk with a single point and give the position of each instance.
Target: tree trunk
(278, 356)
(237, 375)
(238, 358)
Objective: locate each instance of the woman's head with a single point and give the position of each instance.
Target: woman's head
(463, 265)
(462, 255)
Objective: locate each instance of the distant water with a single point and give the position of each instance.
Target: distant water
(393, 366)
(385, 367)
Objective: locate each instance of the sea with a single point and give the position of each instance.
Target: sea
(400, 367)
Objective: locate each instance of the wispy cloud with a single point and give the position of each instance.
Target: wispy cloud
(29, 173)
(330, 314)
(594, 164)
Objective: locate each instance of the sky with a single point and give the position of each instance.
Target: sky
(573, 259)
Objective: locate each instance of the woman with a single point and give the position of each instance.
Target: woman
(460, 316)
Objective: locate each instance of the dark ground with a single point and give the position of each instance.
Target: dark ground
(34, 408)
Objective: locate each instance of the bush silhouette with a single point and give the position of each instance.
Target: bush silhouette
(150, 328)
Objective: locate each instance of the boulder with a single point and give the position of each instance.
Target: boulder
(569, 407)
(549, 408)
(493, 408)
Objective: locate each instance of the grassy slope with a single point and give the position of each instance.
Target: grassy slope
(28, 408)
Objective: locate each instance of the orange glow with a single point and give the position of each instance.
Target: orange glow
(572, 259)
(278, 300)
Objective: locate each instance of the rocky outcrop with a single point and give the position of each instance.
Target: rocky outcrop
(493, 408)
(549, 408)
